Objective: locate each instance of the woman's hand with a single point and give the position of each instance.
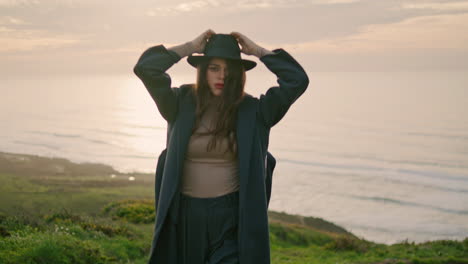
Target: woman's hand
(198, 44)
(249, 47)
(195, 46)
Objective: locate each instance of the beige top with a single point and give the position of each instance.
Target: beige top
(209, 173)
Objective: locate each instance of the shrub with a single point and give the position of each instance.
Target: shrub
(2, 217)
(62, 217)
(348, 243)
(49, 248)
(106, 229)
(4, 232)
(135, 211)
(450, 260)
(292, 235)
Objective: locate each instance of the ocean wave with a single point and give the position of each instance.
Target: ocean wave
(429, 186)
(389, 180)
(361, 157)
(36, 144)
(332, 166)
(407, 203)
(439, 135)
(54, 134)
(137, 157)
(98, 141)
(66, 135)
(444, 176)
(144, 126)
(113, 132)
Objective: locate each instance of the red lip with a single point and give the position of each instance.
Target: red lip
(219, 85)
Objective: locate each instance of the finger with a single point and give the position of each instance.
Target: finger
(239, 38)
(236, 35)
(207, 34)
(210, 32)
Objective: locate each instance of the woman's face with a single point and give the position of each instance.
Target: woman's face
(215, 75)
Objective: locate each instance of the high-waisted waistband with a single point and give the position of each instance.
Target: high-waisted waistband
(231, 199)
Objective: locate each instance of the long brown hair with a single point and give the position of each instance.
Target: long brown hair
(227, 106)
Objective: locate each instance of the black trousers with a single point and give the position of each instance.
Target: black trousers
(207, 229)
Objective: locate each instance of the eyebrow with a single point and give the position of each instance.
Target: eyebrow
(215, 64)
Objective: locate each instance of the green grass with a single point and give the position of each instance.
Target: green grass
(64, 237)
(19, 194)
(70, 240)
(78, 214)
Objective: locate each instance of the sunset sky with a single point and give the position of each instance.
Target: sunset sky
(106, 37)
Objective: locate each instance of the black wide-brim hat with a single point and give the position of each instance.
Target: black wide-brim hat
(221, 46)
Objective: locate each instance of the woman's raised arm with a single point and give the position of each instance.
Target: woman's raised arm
(292, 80)
(152, 66)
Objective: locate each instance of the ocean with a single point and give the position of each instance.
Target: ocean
(383, 154)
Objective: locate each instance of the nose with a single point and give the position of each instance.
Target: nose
(223, 73)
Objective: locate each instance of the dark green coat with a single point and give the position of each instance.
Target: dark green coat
(254, 119)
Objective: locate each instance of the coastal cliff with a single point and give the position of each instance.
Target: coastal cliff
(56, 211)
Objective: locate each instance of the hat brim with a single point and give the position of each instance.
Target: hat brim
(196, 60)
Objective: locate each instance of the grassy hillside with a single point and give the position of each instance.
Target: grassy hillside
(55, 211)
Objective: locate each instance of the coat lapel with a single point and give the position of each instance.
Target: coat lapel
(246, 117)
(184, 125)
(182, 130)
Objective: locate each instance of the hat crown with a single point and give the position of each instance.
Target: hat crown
(223, 46)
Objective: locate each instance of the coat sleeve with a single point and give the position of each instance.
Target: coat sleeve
(292, 81)
(151, 69)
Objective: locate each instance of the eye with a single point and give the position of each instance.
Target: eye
(213, 68)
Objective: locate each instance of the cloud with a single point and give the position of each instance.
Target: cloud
(427, 32)
(188, 7)
(14, 40)
(8, 20)
(242, 5)
(318, 29)
(444, 6)
(11, 3)
(333, 2)
(183, 8)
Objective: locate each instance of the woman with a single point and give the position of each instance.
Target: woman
(213, 181)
